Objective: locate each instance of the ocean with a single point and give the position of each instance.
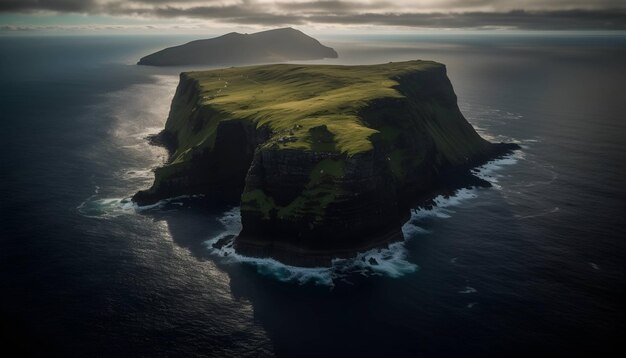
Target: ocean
(533, 265)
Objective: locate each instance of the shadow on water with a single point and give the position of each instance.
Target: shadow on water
(191, 222)
(448, 307)
(302, 320)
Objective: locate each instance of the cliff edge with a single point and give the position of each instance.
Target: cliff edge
(324, 160)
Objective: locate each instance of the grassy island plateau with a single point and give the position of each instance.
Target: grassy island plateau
(324, 160)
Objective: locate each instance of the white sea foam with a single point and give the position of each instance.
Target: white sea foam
(105, 208)
(441, 209)
(390, 261)
(489, 171)
(410, 230)
(468, 289)
(137, 174)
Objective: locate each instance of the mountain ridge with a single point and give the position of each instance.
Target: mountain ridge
(234, 48)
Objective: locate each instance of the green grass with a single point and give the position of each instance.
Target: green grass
(258, 201)
(292, 100)
(326, 169)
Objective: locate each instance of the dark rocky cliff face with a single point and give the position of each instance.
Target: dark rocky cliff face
(219, 173)
(305, 207)
(308, 226)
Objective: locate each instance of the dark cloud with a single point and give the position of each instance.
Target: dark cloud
(229, 14)
(334, 6)
(51, 5)
(251, 12)
(543, 20)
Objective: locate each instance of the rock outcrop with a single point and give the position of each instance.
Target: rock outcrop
(325, 161)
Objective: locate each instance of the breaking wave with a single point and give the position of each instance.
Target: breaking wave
(390, 261)
(105, 208)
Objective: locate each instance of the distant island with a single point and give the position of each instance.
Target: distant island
(278, 45)
(324, 160)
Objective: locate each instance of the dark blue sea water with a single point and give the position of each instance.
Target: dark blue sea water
(533, 265)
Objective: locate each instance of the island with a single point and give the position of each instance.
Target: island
(324, 160)
(278, 45)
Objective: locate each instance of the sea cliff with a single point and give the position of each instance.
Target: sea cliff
(323, 160)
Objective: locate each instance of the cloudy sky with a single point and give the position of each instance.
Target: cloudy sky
(399, 14)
